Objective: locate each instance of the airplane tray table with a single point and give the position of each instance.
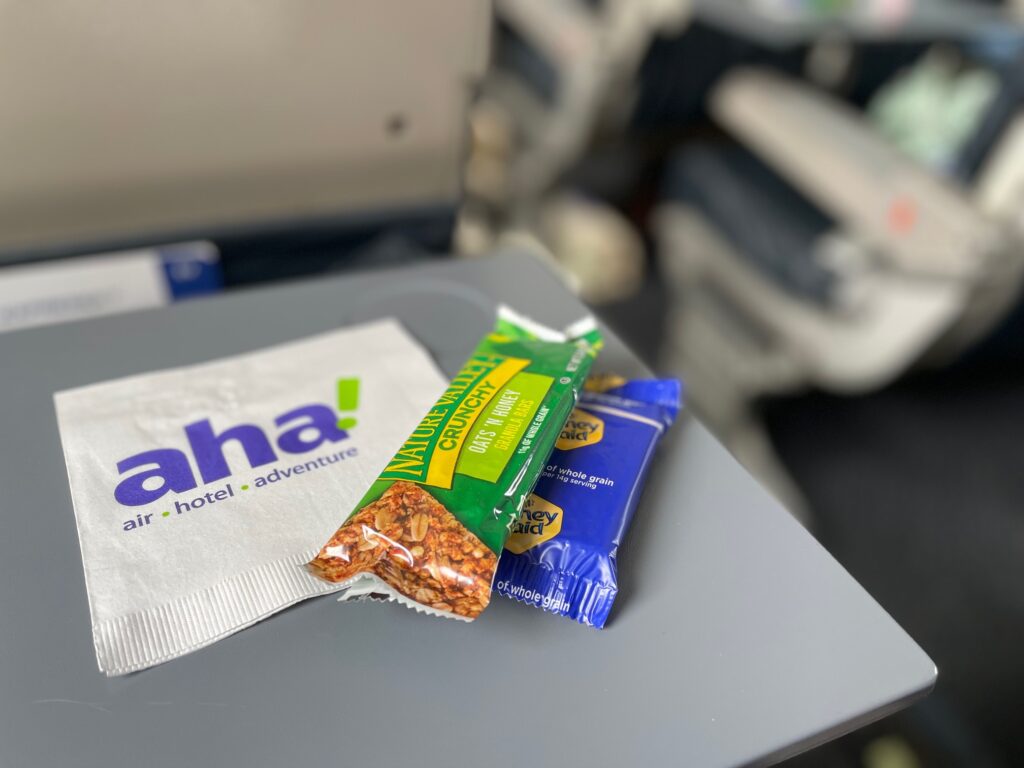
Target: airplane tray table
(736, 638)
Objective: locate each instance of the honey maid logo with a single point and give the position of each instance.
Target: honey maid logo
(539, 521)
(168, 470)
(582, 428)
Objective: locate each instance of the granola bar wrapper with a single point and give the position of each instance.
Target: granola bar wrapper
(429, 530)
(563, 550)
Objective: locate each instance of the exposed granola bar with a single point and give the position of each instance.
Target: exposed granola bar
(412, 542)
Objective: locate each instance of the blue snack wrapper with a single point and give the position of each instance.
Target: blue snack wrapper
(561, 554)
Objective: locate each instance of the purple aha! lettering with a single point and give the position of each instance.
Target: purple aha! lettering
(306, 429)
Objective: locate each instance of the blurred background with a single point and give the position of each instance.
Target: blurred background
(811, 210)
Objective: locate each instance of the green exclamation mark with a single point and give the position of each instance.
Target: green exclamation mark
(348, 400)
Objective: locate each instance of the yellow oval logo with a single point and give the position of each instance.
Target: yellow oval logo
(539, 521)
(581, 429)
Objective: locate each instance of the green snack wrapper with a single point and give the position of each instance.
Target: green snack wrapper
(429, 530)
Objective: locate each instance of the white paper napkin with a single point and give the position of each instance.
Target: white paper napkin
(200, 492)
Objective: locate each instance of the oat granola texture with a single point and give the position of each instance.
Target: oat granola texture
(418, 547)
